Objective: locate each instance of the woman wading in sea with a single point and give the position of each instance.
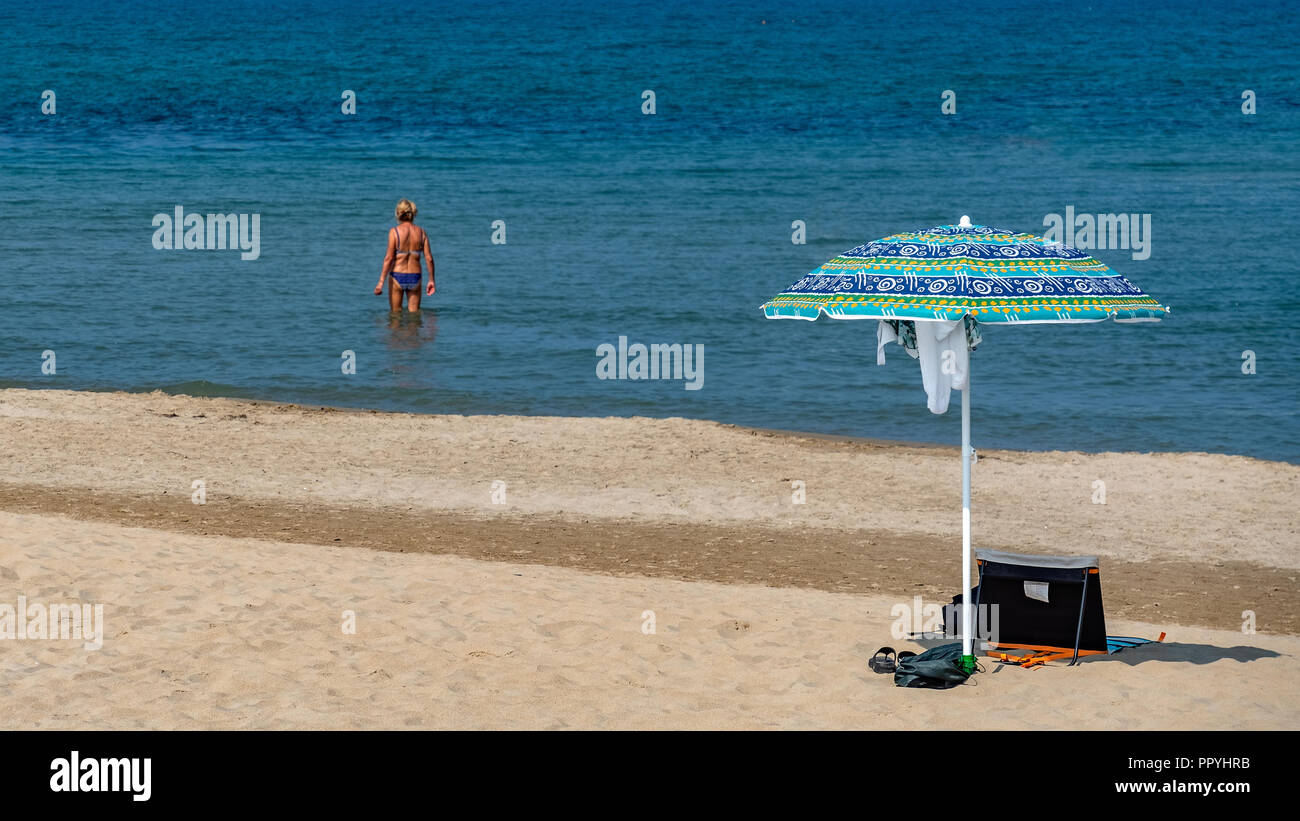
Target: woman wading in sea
(402, 262)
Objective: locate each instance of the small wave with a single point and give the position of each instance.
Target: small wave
(198, 387)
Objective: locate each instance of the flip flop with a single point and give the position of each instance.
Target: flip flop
(884, 660)
(905, 655)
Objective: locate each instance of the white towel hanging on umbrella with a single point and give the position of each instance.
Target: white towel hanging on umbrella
(942, 348)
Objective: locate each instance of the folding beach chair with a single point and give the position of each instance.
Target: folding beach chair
(1048, 607)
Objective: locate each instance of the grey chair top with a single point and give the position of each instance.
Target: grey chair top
(1060, 562)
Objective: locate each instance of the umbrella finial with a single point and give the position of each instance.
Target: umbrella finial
(965, 222)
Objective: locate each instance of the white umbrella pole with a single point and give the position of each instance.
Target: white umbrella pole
(967, 657)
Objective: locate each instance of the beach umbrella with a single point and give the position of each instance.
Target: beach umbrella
(931, 290)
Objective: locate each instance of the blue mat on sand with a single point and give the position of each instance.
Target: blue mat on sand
(1116, 643)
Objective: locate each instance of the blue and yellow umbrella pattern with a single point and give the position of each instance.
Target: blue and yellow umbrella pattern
(952, 270)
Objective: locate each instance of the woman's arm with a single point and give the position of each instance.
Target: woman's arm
(428, 257)
(390, 259)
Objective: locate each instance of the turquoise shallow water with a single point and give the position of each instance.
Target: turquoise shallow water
(669, 228)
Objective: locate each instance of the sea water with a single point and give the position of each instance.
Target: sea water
(529, 122)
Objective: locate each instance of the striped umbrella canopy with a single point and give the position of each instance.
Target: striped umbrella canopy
(953, 271)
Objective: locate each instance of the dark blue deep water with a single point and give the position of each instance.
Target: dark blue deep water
(670, 228)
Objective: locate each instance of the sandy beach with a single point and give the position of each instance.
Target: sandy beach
(499, 571)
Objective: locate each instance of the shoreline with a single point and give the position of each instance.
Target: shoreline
(1148, 506)
(867, 442)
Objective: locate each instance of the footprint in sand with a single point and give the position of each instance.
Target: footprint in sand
(576, 632)
(488, 654)
(732, 628)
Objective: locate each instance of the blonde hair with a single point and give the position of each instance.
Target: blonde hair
(405, 210)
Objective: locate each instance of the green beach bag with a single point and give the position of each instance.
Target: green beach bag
(937, 668)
